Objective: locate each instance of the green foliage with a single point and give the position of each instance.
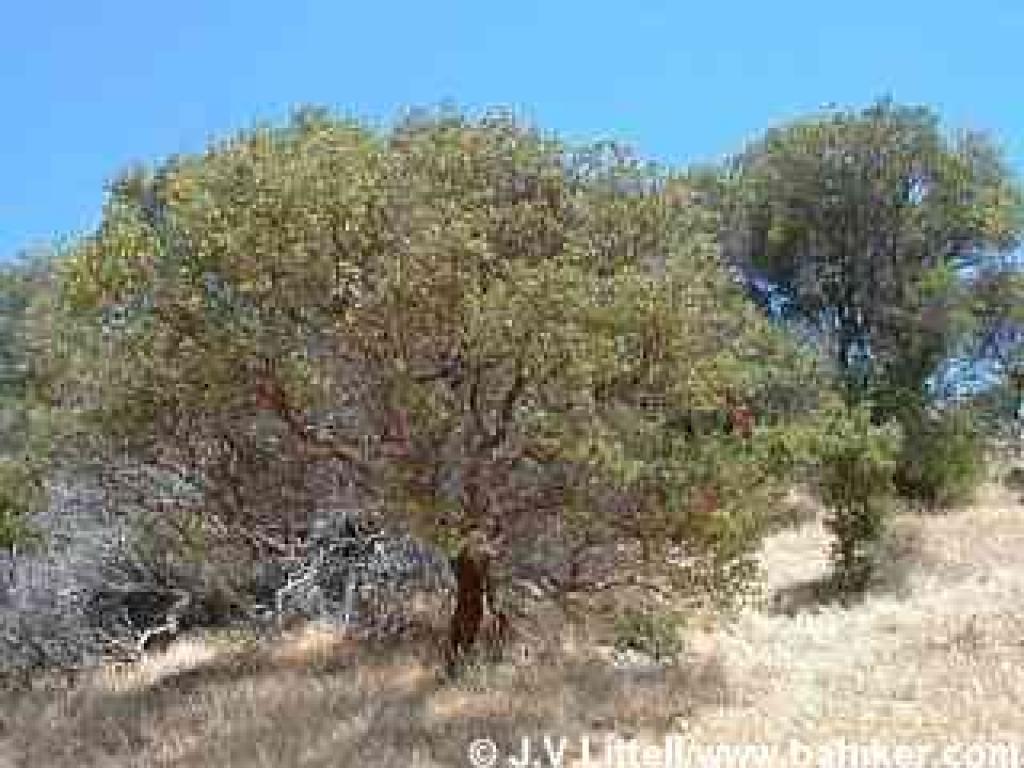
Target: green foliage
(942, 460)
(16, 296)
(996, 306)
(652, 632)
(476, 325)
(470, 318)
(21, 495)
(24, 419)
(856, 468)
(861, 218)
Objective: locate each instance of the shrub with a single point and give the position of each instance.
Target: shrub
(21, 495)
(1014, 479)
(856, 476)
(652, 632)
(942, 460)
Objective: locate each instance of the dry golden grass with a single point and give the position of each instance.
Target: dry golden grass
(314, 699)
(935, 654)
(941, 658)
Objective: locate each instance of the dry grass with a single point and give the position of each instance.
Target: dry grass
(935, 653)
(314, 698)
(941, 658)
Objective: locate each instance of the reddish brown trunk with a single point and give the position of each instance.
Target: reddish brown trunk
(472, 575)
(708, 501)
(478, 618)
(742, 422)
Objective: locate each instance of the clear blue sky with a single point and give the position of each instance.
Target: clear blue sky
(90, 86)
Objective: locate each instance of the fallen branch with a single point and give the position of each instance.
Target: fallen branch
(162, 634)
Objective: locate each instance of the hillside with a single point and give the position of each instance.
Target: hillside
(318, 419)
(933, 655)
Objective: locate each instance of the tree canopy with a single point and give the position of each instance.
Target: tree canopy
(865, 220)
(477, 324)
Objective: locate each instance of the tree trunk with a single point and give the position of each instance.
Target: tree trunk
(472, 583)
(477, 616)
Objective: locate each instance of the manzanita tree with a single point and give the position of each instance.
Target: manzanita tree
(493, 334)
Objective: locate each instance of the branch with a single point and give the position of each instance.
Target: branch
(173, 615)
(171, 626)
(590, 587)
(273, 397)
(509, 404)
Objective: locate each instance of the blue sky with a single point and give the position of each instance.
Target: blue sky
(91, 86)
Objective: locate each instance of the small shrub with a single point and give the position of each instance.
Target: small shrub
(648, 631)
(856, 477)
(21, 495)
(1014, 479)
(942, 460)
(790, 512)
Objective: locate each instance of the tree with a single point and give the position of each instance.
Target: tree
(997, 340)
(856, 472)
(24, 287)
(864, 220)
(491, 333)
(21, 285)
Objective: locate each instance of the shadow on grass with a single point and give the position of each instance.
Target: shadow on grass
(899, 553)
(382, 707)
(808, 596)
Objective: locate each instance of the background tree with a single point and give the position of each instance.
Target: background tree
(863, 221)
(24, 287)
(862, 227)
(997, 342)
